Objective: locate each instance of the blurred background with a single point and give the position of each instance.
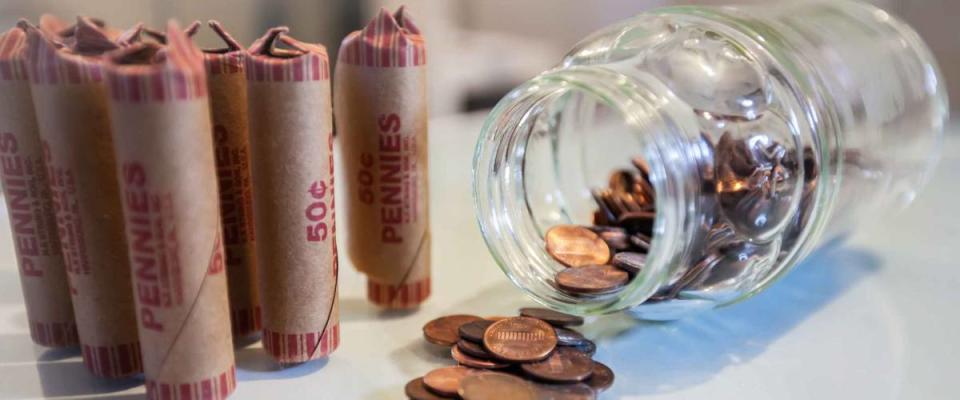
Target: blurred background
(478, 49)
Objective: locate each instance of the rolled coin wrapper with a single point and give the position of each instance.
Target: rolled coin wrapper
(70, 98)
(43, 274)
(291, 145)
(227, 86)
(161, 123)
(381, 105)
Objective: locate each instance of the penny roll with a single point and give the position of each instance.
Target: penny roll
(381, 105)
(291, 146)
(70, 98)
(165, 164)
(43, 274)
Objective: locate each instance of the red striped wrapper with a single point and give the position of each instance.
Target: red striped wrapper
(71, 107)
(291, 145)
(165, 163)
(381, 112)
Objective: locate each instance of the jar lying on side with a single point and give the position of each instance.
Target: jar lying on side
(716, 146)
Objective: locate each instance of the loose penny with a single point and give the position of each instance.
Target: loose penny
(446, 381)
(576, 246)
(473, 331)
(551, 317)
(474, 362)
(631, 262)
(587, 347)
(473, 349)
(565, 365)
(602, 378)
(593, 279)
(416, 390)
(520, 339)
(568, 337)
(445, 330)
(496, 386)
(569, 391)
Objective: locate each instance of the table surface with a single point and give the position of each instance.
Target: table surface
(875, 318)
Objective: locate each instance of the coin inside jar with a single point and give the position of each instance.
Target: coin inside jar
(416, 390)
(496, 386)
(592, 279)
(551, 317)
(520, 339)
(444, 331)
(630, 262)
(576, 246)
(446, 381)
(565, 365)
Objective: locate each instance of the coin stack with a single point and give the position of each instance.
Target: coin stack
(534, 356)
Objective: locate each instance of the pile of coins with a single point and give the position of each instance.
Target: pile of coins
(534, 356)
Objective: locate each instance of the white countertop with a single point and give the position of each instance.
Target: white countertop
(877, 318)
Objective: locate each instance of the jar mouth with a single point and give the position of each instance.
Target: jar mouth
(516, 202)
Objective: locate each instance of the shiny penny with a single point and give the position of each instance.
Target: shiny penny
(496, 386)
(416, 390)
(474, 362)
(576, 246)
(565, 365)
(473, 331)
(592, 279)
(446, 381)
(551, 317)
(445, 330)
(602, 378)
(630, 262)
(570, 391)
(520, 339)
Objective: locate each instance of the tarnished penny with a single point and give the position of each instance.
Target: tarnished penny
(496, 386)
(637, 221)
(446, 381)
(565, 365)
(640, 242)
(474, 362)
(631, 262)
(520, 339)
(445, 330)
(587, 347)
(592, 279)
(417, 390)
(473, 331)
(551, 317)
(602, 378)
(567, 391)
(568, 337)
(576, 246)
(473, 349)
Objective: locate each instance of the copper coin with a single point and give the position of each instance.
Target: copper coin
(520, 339)
(568, 337)
(416, 390)
(473, 331)
(444, 330)
(474, 362)
(446, 381)
(565, 365)
(637, 221)
(602, 378)
(593, 279)
(631, 262)
(551, 317)
(640, 241)
(496, 386)
(473, 349)
(587, 347)
(569, 391)
(621, 181)
(576, 246)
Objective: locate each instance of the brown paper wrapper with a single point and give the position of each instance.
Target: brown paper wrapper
(43, 274)
(227, 86)
(292, 164)
(71, 108)
(381, 106)
(165, 165)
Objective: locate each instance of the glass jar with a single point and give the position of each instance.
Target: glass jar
(763, 131)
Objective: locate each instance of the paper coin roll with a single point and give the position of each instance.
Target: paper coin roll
(291, 145)
(43, 274)
(165, 165)
(381, 106)
(70, 100)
